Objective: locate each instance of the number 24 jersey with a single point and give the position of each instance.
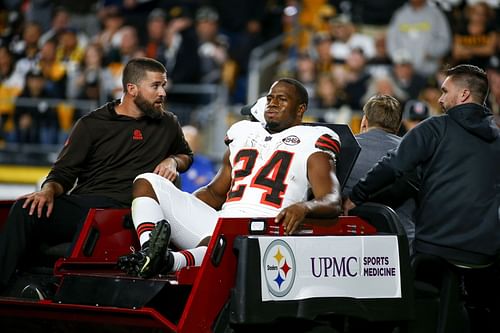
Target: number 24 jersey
(269, 171)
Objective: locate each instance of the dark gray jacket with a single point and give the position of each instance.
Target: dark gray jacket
(375, 144)
(457, 214)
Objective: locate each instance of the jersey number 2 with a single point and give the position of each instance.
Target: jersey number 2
(271, 177)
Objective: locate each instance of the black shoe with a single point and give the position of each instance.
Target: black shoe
(157, 252)
(132, 263)
(37, 291)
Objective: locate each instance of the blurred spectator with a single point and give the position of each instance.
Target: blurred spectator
(329, 99)
(40, 11)
(476, 39)
(92, 80)
(301, 66)
(414, 112)
(213, 46)
(491, 3)
(405, 76)
(53, 71)
(135, 11)
(156, 25)
(346, 38)
(322, 15)
(179, 51)
(381, 62)
(36, 122)
(383, 84)
(237, 21)
(308, 17)
(11, 84)
(448, 5)
(56, 81)
(305, 72)
(203, 168)
(242, 25)
(83, 15)
(6, 29)
(27, 45)
(112, 20)
(322, 50)
(59, 24)
(271, 22)
(374, 13)
(328, 95)
(69, 51)
(128, 44)
(430, 95)
(423, 31)
(28, 49)
(353, 76)
(8, 77)
(119, 56)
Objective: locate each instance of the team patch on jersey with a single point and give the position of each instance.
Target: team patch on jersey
(137, 135)
(291, 140)
(327, 142)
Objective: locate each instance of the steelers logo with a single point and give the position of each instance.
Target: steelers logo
(279, 268)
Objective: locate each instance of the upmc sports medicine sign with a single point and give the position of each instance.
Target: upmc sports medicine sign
(294, 268)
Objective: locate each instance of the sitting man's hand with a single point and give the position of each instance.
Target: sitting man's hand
(36, 201)
(167, 169)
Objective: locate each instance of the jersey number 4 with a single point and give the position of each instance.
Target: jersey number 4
(270, 178)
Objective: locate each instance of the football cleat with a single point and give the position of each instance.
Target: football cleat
(155, 260)
(132, 263)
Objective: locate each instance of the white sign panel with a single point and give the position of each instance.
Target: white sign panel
(294, 268)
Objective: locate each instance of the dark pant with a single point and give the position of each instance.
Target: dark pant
(23, 234)
(481, 288)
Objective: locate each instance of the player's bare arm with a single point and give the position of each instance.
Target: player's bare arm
(326, 190)
(214, 194)
(169, 167)
(36, 201)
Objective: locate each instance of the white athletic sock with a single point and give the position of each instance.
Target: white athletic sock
(191, 257)
(146, 212)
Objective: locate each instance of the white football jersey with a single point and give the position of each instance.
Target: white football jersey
(269, 171)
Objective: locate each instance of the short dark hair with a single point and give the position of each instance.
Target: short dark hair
(299, 88)
(383, 111)
(136, 68)
(472, 78)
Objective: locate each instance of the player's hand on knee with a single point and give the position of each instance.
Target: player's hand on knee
(36, 201)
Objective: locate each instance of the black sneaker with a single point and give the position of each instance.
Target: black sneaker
(37, 291)
(132, 263)
(157, 251)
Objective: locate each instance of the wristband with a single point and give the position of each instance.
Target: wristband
(176, 162)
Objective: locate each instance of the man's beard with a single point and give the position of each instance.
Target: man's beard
(149, 109)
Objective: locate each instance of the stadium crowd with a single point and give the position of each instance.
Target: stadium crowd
(53, 53)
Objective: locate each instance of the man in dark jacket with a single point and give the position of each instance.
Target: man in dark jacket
(457, 216)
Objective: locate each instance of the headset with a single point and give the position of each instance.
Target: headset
(486, 96)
